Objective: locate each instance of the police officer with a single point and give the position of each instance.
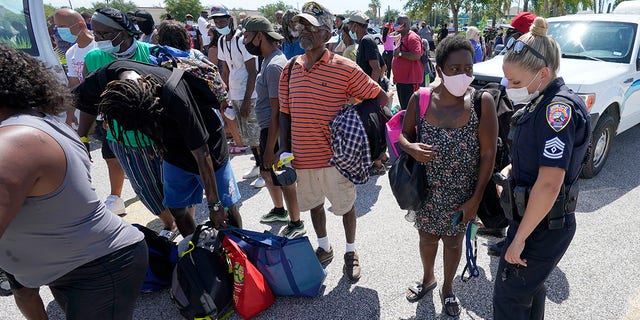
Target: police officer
(550, 136)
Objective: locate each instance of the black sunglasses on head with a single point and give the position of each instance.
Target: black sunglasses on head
(519, 47)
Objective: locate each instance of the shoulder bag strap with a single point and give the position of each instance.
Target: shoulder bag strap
(170, 86)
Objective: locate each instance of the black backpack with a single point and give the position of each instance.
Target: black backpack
(202, 286)
(163, 256)
(374, 118)
(490, 211)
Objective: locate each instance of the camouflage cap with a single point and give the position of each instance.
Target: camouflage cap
(316, 14)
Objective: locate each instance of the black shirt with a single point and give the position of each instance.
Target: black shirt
(186, 125)
(368, 50)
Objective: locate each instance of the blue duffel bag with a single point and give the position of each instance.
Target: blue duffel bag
(290, 266)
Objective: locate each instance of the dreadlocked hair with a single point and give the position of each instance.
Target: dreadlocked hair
(135, 105)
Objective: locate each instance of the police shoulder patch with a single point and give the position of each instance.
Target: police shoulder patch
(558, 115)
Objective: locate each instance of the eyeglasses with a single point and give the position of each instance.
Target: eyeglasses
(520, 47)
(106, 35)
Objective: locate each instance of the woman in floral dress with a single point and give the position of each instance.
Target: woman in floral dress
(458, 149)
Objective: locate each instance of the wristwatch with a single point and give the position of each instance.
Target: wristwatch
(215, 206)
(400, 54)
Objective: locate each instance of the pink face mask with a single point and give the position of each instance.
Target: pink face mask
(456, 85)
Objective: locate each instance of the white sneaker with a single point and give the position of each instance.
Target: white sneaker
(258, 183)
(115, 204)
(254, 172)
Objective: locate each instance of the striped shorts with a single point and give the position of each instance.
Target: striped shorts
(144, 169)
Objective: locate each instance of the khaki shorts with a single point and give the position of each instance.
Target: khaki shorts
(314, 185)
(248, 127)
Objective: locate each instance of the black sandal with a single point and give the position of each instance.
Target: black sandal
(417, 291)
(451, 305)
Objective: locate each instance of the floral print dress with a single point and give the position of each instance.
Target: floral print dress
(452, 175)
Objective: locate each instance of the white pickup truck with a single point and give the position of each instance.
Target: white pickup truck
(600, 62)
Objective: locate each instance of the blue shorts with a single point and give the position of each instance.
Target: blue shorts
(184, 189)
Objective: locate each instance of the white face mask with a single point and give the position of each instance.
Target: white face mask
(522, 95)
(190, 23)
(224, 31)
(456, 85)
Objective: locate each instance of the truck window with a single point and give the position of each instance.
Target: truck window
(15, 26)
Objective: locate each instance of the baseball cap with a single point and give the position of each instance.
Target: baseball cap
(522, 22)
(359, 17)
(316, 14)
(188, 16)
(219, 10)
(261, 24)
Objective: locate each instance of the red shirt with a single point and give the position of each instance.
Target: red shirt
(404, 70)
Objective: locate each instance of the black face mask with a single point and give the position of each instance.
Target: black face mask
(146, 26)
(253, 49)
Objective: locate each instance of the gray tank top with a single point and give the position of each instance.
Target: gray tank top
(56, 233)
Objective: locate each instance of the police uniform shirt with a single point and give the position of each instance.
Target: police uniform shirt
(554, 132)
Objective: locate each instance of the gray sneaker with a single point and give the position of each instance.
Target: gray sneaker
(272, 216)
(325, 257)
(291, 231)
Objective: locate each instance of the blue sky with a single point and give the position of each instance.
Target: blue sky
(334, 5)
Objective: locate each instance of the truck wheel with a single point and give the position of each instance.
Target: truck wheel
(600, 146)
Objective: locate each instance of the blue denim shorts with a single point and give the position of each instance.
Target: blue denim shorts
(184, 189)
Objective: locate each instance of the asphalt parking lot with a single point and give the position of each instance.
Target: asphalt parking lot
(597, 279)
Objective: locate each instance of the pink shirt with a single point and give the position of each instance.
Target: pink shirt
(404, 70)
(388, 44)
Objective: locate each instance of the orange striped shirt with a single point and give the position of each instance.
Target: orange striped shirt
(314, 97)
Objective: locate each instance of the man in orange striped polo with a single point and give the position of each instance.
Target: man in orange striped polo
(311, 94)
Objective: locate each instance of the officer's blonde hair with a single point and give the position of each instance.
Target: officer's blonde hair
(537, 39)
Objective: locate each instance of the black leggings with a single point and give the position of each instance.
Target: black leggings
(387, 55)
(105, 288)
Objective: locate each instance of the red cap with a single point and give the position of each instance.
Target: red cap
(522, 22)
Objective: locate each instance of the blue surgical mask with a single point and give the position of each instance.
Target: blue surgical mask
(224, 31)
(66, 35)
(107, 46)
(353, 35)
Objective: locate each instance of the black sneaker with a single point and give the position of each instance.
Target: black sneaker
(292, 231)
(274, 216)
(5, 286)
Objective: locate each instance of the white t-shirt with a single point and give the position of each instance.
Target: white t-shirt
(75, 59)
(235, 59)
(202, 26)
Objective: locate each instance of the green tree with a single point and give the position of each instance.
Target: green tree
(374, 6)
(49, 10)
(269, 10)
(390, 14)
(179, 8)
(116, 4)
(420, 9)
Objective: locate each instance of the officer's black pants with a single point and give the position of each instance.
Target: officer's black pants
(522, 294)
